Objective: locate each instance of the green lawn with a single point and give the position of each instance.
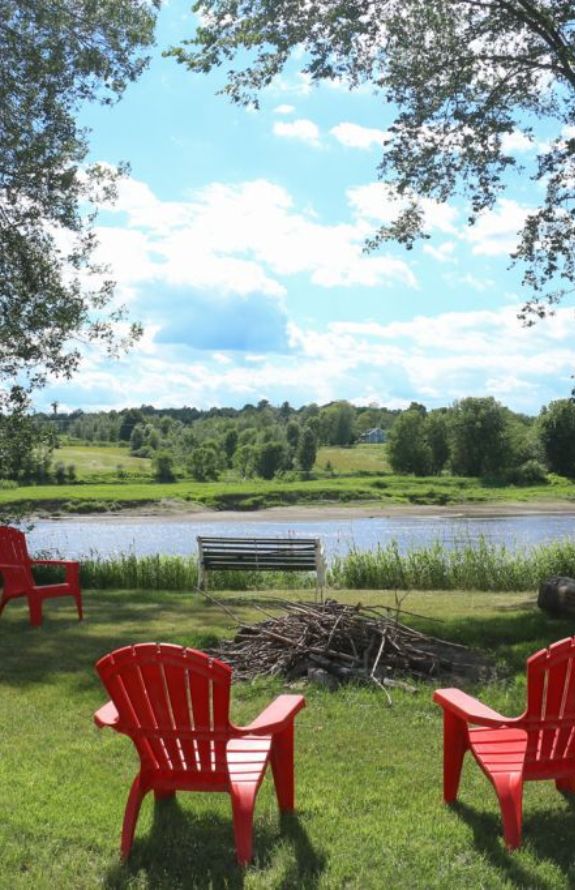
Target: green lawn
(359, 459)
(92, 461)
(259, 493)
(368, 775)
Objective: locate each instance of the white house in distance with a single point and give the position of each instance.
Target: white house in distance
(375, 436)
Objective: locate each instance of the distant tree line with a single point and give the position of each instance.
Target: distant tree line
(473, 437)
(480, 437)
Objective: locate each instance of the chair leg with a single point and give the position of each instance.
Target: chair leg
(78, 598)
(455, 744)
(135, 798)
(35, 610)
(243, 803)
(282, 760)
(509, 788)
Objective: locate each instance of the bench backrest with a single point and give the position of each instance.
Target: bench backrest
(261, 554)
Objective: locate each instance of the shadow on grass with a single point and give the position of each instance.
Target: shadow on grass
(120, 618)
(509, 637)
(184, 851)
(548, 833)
(65, 645)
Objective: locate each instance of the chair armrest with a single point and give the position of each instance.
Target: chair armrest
(469, 709)
(107, 715)
(277, 716)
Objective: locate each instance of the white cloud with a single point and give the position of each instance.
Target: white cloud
(302, 130)
(284, 109)
(355, 136)
(516, 141)
(432, 359)
(478, 284)
(298, 85)
(495, 231)
(444, 253)
(378, 202)
(237, 239)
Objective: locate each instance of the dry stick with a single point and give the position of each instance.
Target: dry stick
(378, 656)
(217, 602)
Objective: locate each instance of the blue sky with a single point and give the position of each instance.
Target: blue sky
(237, 241)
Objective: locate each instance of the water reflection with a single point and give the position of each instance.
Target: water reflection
(77, 538)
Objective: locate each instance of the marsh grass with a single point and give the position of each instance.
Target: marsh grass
(369, 812)
(480, 566)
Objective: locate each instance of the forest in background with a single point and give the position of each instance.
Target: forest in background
(474, 437)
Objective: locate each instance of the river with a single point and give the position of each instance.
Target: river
(80, 537)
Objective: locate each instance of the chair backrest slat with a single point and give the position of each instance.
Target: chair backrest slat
(13, 550)
(551, 704)
(174, 702)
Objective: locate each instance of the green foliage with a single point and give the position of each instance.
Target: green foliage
(270, 457)
(557, 431)
(337, 424)
(407, 447)
(479, 437)
(306, 450)
(204, 463)
(25, 447)
(163, 463)
(532, 472)
(53, 58)
(460, 76)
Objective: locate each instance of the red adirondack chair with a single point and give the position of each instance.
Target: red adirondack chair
(16, 569)
(540, 744)
(173, 703)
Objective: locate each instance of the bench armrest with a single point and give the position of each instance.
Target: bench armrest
(107, 715)
(276, 717)
(55, 562)
(469, 709)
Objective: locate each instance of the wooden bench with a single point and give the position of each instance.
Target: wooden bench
(260, 554)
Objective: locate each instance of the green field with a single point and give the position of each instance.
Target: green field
(358, 476)
(97, 461)
(369, 811)
(359, 459)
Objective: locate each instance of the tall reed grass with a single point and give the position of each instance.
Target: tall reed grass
(482, 566)
(479, 566)
(156, 572)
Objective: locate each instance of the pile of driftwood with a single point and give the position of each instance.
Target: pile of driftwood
(331, 643)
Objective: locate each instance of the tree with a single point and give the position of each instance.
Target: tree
(163, 463)
(437, 436)
(479, 437)
(25, 447)
(337, 422)
(55, 56)
(204, 462)
(407, 447)
(270, 457)
(459, 76)
(307, 450)
(293, 433)
(230, 443)
(557, 431)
